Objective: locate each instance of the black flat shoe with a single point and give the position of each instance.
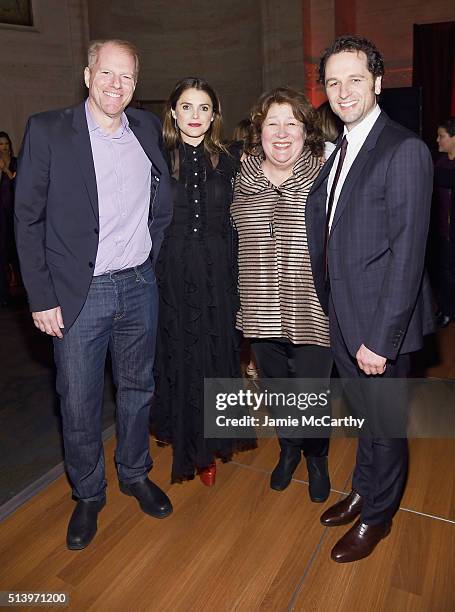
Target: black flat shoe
(318, 478)
(151, 498)
(290, 457)
(83, 523)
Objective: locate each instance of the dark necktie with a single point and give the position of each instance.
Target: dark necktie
(343, 149)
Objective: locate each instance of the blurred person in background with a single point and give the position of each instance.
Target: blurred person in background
(240, 136)
(8, 165)
(240, 133)
(331, 126)
(444, 222)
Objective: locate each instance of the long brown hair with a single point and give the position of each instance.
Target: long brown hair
(6, 136)
(302, 111)
(213, 137)
(331, 124)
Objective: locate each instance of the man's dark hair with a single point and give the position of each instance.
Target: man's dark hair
(449, 126)
(353, 43)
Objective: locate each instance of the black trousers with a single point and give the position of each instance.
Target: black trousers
(381, 464)
(282, 359)
(4, 289)
(445, 275)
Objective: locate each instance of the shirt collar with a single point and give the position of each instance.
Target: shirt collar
(361, 130)
(92, 124)
(253, 180)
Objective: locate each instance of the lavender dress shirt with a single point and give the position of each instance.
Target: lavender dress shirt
(123, 180)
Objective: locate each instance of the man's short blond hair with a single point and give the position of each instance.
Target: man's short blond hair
(96, 45)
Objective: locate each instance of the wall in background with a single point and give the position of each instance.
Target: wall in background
(240, 46)
(388, 23)
(219, 41)
(40, 67)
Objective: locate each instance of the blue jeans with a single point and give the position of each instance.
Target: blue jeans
(120, 313)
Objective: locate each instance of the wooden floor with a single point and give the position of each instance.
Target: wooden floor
(240, 545)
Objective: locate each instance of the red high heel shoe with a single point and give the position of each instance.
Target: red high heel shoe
(208, 475)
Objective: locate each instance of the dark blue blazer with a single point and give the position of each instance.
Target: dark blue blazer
(376, 248)
(56, 205)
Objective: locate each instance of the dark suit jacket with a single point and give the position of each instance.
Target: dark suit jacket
(56, 205)
(376, 248)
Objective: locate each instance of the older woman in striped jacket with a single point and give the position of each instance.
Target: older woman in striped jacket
(280, 312)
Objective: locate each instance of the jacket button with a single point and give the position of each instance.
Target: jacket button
(96, 230)
(90, 264)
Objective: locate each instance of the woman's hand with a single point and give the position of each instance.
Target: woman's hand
(4, 168)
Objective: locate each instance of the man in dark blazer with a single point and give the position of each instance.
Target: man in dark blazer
(92, 204)
(367, 222)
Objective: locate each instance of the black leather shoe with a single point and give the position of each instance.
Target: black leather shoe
(151, 498)
(344, 511)
(83, 523)
(282, 474)
(318, 478)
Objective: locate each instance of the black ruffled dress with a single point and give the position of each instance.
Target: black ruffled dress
(197, 282)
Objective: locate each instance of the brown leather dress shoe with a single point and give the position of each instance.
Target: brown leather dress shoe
(359, 541)
(344, 511)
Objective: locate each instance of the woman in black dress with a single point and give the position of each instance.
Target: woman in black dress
(8, 165)
(197, 338)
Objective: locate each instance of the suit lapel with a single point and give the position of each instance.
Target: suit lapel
(147, 143)
(325, 170)
(357, 167)
(81, 142)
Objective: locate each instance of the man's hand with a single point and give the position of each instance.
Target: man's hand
(369, 362)
(49, 321)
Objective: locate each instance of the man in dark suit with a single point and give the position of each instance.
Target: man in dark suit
(92, 203)
(367, 223)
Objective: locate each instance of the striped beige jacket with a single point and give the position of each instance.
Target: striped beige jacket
(277, 294)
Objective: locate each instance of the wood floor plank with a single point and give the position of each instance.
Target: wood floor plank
(236, 546)
(249, 543)
(443, 363)
(431, 482)
(410, 570)
(240, 536)
(239, 545)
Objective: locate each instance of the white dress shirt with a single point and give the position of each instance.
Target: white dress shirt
(329, 148)
(355, 137)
